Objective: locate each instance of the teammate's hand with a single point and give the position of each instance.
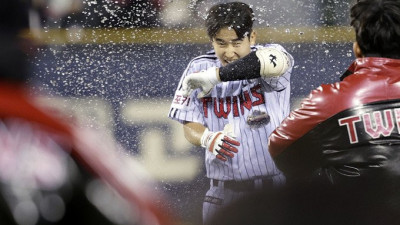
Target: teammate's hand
(205, 80)
(220, 143)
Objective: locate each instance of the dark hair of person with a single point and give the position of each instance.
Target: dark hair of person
(14, 64)
(236, 15)
(14, 16)
(377, 27)
(14, 20)
(315, 203)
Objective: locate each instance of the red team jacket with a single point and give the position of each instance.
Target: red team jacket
(346, 131)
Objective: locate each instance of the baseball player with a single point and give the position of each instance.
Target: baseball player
(232, 120)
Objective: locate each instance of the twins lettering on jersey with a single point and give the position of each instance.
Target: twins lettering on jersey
(230, 104)
(375, 124)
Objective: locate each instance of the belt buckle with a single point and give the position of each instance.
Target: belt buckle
(258, 118)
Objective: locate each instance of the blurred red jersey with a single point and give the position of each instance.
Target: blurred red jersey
(55, 173)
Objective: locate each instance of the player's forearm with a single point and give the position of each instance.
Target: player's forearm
(265, 62)
(193, 132)
(247, 67)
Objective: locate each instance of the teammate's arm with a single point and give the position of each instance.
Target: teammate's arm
(220, 143)
(265, 62)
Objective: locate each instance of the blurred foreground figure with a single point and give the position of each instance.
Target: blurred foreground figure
(52, 172)
(348, 132)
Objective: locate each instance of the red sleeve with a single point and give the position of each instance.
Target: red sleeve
(314, 109)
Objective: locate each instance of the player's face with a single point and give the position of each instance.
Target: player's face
(229, 47)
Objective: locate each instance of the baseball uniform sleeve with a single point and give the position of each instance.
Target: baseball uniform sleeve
(185, 109)
(290, 145)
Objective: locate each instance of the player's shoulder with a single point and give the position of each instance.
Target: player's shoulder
(270, 45)
(325, 94)
(207, 58)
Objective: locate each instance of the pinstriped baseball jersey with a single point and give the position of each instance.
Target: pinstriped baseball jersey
(233, 102)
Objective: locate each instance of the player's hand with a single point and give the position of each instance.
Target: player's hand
(205, 80)
(220, 143)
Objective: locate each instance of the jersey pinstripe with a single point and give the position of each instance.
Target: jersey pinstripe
(232, 102)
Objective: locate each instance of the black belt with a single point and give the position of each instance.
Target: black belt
(246, 185)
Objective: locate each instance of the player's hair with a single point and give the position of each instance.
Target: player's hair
(377, 27)
(236, 15)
